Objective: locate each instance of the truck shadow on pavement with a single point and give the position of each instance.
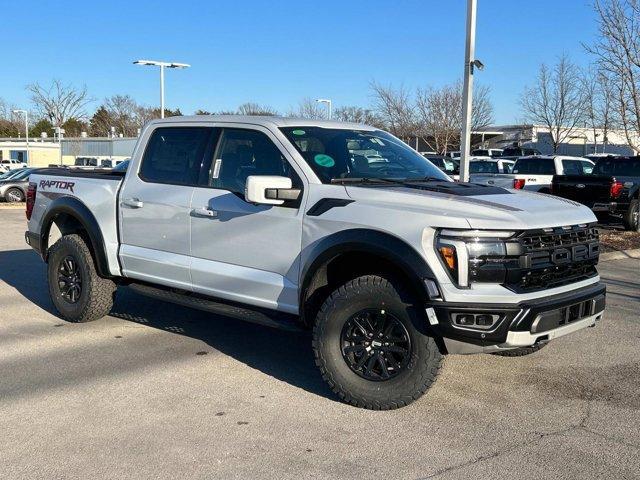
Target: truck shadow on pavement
(286, 356)
(25, 271)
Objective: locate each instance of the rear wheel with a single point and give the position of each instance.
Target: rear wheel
(77, 291)
(632, 217)
(14, 195)
(368, 348)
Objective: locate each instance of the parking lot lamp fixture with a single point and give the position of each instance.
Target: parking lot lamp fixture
(26, 130)
(328, 102)
(162, 66)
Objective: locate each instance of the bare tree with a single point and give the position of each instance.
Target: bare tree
(123, 111)
(358, 115)
(599, 104)
(395, 109)
(439, 114)
(10, 124)
(59, 102)
(618, 55)
(251, 108)
(556, 101)
(309, 109)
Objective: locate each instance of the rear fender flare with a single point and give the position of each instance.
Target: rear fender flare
(79, 211)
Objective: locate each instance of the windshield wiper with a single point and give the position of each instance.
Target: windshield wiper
(369, 181)
(423, 179)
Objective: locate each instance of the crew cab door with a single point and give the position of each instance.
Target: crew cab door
(241, 251)
(155, 205)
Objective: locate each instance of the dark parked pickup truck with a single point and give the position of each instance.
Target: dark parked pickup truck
(612, 189)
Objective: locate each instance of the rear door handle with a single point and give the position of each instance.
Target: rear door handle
(133, 202)
(204, 212)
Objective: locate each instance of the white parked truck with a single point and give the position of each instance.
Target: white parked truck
(535, 173)
(338, 228)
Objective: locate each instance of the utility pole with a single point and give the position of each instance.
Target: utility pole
(26, 132)
(470, 63)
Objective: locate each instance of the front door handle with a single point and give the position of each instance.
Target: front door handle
(133, 202)
(204, 212)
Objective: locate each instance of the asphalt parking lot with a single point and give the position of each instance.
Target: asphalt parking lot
(161, 391)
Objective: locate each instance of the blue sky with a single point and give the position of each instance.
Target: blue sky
(277, 52)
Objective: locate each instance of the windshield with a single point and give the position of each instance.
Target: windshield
(336, 154)
(16, 174)
(483, 167)
(22, 174)
(122, 166)
(625, 168)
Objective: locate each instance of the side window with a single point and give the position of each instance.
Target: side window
(571, 167)
(587, 168)
(174, 155)
(242, 153)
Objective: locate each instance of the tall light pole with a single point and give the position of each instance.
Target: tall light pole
(470, 63)
(328, 102)
(26, 130)
(162, 66)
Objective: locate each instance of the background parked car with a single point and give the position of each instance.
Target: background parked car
(14, 188)
(11, 164)
(536, 173)
(516, 152)
(487, 152)
(448, 165)
(613, 188)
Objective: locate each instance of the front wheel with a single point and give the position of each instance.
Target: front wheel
(77, 292)
(368, 348)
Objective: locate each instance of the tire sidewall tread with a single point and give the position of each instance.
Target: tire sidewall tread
(97, 294)
(373, 291)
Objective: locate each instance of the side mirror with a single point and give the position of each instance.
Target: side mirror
(269, 190)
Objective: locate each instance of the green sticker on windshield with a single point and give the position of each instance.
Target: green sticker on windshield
(324, 160)
(298, 132)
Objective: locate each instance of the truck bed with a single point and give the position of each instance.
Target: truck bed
(97, 190)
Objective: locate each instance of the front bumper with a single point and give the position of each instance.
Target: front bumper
(521, 325)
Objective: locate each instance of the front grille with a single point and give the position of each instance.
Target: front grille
(555, 257)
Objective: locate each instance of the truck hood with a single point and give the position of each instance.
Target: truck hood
(457, 205)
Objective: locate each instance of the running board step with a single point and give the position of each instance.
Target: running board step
(267, 318)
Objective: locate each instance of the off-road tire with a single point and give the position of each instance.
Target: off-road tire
(520, 352)
(631, 218)
(374, 292)
(96, 294)
(14, 195)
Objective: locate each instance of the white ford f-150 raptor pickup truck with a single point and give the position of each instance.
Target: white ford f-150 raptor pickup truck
(338, 228)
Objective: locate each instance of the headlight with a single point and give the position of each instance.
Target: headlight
(477, 255)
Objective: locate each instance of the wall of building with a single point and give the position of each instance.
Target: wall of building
(40, 155)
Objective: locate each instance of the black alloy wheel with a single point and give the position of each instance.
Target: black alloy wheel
(69, 279)
(375, 344)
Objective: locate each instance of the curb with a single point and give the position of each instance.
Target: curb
(634, 253)
(9, 206)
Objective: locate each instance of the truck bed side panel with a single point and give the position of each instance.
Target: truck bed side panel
(97, 191)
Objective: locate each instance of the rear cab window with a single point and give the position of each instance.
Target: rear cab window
(534, 165)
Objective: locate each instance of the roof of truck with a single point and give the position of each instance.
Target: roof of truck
(265, 121)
